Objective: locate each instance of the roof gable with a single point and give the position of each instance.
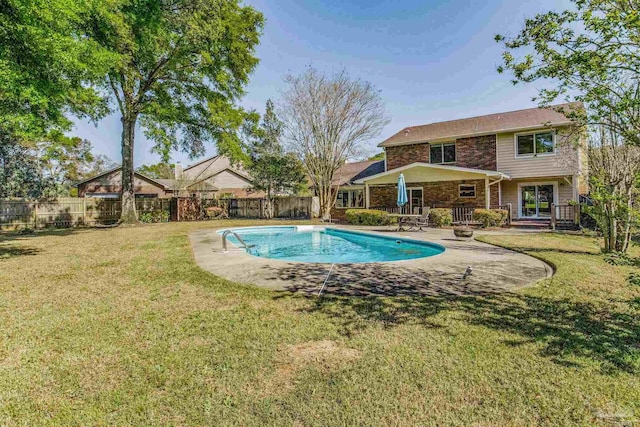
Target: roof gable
(231, 170)
(349, 172)
(136, 174)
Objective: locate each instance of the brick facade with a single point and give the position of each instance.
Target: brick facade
(478, 152)
(436, 194)
(494, 195)
(406, 154)
(383, 196)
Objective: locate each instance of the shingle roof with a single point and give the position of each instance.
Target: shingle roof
(169, 183)
(117, 168)
(349, 172)
(509, 121)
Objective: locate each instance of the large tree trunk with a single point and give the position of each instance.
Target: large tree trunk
(129, 214)
(268, 205)
(325, 202)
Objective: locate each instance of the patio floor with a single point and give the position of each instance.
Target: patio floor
(494, 269)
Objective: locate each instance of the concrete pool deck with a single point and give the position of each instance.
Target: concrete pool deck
(494, 269)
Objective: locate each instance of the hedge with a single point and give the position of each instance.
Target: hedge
(440, 217)
(367, 217)
(490, 217)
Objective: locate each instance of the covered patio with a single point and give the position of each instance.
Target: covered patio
(435, 186)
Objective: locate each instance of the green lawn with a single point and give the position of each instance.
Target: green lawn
(120, 327)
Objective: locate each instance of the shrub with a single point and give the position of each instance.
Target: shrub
(367, 217)
(441, 217)
(490, 217)
(214, 212)
(150, 217)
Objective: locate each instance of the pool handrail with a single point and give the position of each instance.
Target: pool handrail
(224, 240)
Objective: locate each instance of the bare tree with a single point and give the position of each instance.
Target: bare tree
(614, 167)
(327, 119)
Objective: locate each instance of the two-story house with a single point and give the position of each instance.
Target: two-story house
(527, 159)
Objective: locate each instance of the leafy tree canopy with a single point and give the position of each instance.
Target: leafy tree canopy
(589, 54)
(47, 169)
(45, 66)
(272, 170)
(379, 156)
(182, 66)
(158, 170)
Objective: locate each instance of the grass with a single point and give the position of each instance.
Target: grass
(120, 327)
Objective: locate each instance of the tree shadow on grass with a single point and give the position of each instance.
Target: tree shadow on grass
(564, 328)
(11, 251)
(356, 296)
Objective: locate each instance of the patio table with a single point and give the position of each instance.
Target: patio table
(403, 219)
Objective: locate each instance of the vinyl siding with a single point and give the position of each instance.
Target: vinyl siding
(228, 179)
(510, 191)
(563, 162)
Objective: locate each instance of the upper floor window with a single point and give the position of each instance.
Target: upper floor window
(532, 144)
(442, 153)
(350, 199)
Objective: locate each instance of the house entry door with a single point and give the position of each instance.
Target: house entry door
(414, 194)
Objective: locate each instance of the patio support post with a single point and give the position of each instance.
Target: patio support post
(366, 195)
(487, 196)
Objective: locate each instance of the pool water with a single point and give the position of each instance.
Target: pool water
(330, 245)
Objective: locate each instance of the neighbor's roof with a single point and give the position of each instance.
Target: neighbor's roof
(169, 183)
(138, 174)
(492, 123)
(349, 172)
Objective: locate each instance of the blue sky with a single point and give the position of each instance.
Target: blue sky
(431, 60)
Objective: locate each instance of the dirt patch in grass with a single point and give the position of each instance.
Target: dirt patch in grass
(324, 355)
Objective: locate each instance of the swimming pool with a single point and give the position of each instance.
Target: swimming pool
(329, 245)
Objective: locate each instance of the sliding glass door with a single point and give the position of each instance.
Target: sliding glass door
(536, 200)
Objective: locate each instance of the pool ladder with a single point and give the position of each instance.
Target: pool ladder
(224, 240)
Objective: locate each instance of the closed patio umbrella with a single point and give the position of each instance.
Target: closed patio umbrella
(402, 192)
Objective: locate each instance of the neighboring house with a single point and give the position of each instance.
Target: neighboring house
(523, 158)
(108, 185)
(213, 177)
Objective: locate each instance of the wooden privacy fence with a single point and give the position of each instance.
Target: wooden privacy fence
(194, 209)
(72, 212)
(283, 207)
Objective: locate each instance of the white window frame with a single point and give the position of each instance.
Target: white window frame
(351, 197)
(475, 191)
(534, 154)
(531, 184)
(443, 144)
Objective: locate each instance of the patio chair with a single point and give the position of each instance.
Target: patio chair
(418, 223)
(326, 221)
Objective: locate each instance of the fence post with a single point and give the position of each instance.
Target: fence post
(84, 211)
(510, 213)
(553, 216)
(35, 215)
